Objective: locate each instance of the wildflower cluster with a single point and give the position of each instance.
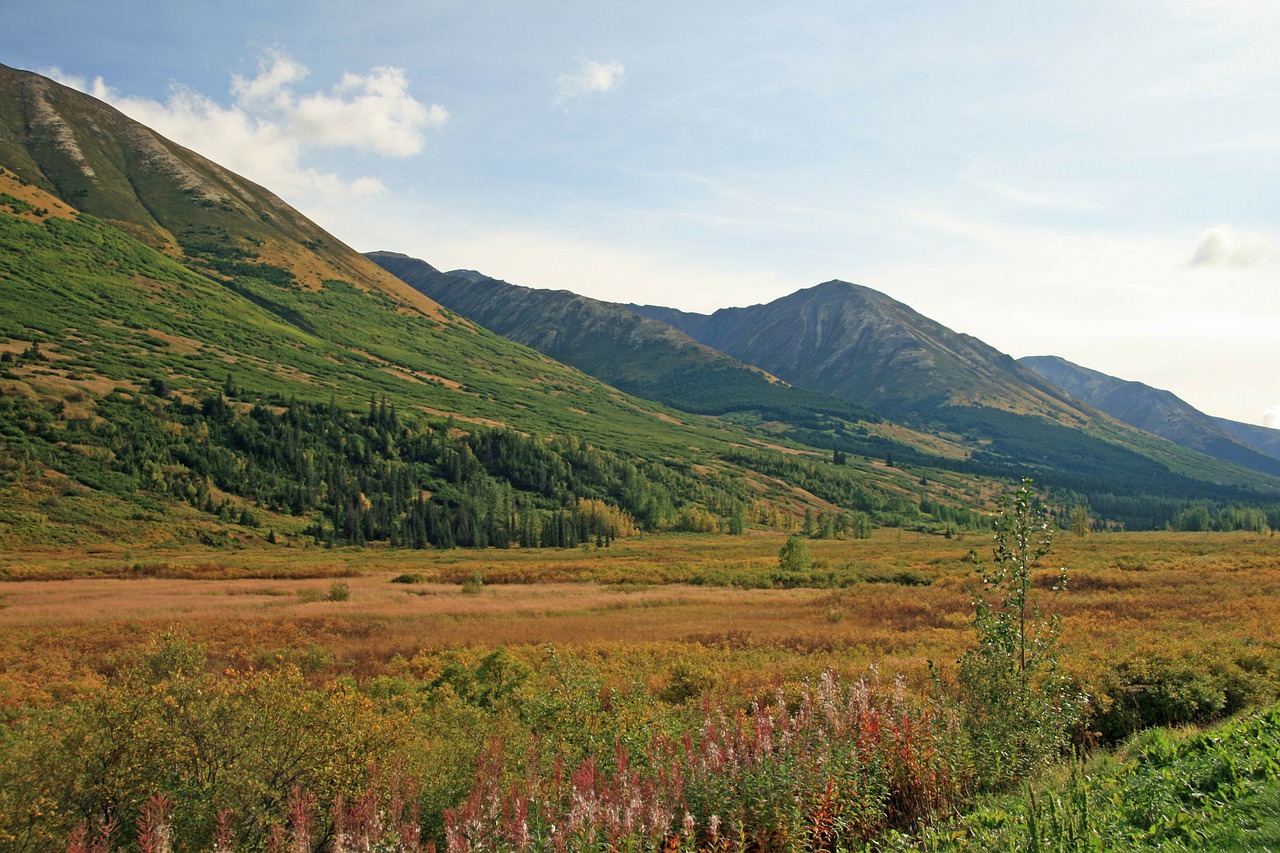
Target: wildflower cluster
(832, 768)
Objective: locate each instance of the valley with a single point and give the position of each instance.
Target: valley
(305, 549)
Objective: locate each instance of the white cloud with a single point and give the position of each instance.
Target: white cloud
(269, 127)
(1271, 417)
(589, 77)
(1228, 246)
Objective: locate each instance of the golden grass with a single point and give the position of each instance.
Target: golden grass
(1167, 593)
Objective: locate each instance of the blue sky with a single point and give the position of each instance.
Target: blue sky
(1099, 181)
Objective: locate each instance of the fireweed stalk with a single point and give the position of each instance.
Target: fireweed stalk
(831, 768)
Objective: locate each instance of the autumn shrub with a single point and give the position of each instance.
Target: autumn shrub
(210, 742)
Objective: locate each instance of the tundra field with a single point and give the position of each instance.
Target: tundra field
(894, 601)
(433, 663)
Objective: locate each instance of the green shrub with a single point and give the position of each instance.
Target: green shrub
(1019, 709)
(794, 555)
(1145, 691)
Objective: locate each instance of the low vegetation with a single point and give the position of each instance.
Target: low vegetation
(425, 706)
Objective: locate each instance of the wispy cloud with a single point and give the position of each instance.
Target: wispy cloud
(1228, 246)
(272, 123)
(978, 176)
(590, 77)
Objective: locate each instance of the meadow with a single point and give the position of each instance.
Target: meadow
(420, 669)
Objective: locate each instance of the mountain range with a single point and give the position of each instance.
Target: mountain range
(183, 354)
(844, 342)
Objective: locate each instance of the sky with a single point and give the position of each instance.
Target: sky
(1094, 180)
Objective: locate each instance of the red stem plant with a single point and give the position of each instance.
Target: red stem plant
(832, 768)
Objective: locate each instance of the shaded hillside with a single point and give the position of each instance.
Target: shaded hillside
(1262, 439)
(644, 357)
(1156, 411)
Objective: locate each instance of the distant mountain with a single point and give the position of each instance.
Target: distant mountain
(1262, 439)
(1163, 414)
(860, 345)
(644, 357)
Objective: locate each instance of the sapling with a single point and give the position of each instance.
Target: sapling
(1018, 705)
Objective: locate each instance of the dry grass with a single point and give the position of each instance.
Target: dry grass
(1129, 592)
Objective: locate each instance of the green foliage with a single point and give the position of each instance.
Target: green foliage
(1020, 710)
(794, 556)
(338, 591)
(1149, 690)
(1212, 790)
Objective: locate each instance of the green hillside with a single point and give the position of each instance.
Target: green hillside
(646, 358)
(185, 357)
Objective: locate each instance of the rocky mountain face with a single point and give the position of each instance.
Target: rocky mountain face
(1164, 414)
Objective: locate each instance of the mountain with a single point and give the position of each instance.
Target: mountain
(181, 351)
(1162, 413)
(858, 344)
(644, 357)
(185, 358)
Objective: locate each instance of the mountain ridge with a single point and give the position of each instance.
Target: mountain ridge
(641, 356)
(1162, 413)
(811, 336)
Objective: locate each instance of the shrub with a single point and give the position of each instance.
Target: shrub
(238, 740)
(794, 555)
(1019, 708)
(1144, 691)
(338, 591)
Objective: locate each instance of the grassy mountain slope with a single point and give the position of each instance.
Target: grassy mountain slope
(1152, 409)
(179, 350)
(222, 277)
(856, 343)
(644, 357)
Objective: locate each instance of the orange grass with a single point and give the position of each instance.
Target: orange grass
(1171, 593)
